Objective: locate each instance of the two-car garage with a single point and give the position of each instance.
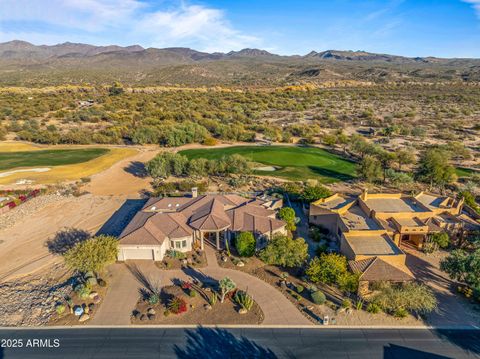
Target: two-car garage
(140, 252)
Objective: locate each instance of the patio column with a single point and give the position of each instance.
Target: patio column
(201, 240)
(217, 237)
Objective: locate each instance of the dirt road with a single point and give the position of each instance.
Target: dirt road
(124, 178)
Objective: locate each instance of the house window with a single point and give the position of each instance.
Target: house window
(184, 244)
(172, 244)
(178, 245)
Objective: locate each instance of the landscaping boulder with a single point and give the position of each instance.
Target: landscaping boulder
(240, 264)
(84, 317)
(97, 299)
(151, 316)
(242, 311)
(92, 295)
(151, 311)
(224, 259)
(91, 306)
(143, 317)
(207, 307)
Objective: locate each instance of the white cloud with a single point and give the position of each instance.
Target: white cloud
(201, 27)
(476, 5)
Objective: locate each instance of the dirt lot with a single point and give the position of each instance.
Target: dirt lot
(23, 249)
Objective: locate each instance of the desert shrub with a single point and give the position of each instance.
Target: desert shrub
(192, 293)
(412, 297)
(374, 308)
(153, 299)
(82, 290)
(177, 305)
(212, 299)
(245, 244)
(92, 281)
(346, 303)
(243, 299)
(401, 313)
(299, 288)
(210, 141)
(102, 282)
(60, 309)
(318, 297)
(175, 254)
(359, 304)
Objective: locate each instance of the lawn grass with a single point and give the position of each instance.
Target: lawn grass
(465, 172)
(293, 163)
(75, 171)
(48, 158)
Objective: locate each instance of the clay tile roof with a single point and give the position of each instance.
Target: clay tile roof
(376, 270)
(211, 216)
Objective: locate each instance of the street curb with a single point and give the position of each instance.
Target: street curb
(233, 326)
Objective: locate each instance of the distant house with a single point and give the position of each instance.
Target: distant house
(372, 227)
(186, 223)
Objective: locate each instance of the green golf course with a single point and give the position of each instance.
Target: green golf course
(293, 163)
(9, 160)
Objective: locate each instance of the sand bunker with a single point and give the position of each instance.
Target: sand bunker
(9, 173)
(266, 168)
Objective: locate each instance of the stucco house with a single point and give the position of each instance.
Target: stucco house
(186, 223)
(371, 228)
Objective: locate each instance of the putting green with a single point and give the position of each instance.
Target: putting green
(292, 162)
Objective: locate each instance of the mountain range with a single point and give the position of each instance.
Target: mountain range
(22, 63)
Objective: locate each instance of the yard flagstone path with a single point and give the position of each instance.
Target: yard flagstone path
(123, 291)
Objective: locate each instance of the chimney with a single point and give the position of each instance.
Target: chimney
(364, 194)
(194, 192)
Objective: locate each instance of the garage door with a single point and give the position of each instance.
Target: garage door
(138, 253)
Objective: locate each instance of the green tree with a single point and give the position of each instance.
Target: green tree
(442, 239)
(470, 200)
(404, 157)
(327, 268)
(197, 167)
(386, 159)
(285, 251)
(435, 168)
(166, 164)
(287, 214)
(92, 255)
(370, 169)
(116, 89)
(463, 266)
(314, 193)
(245, 244)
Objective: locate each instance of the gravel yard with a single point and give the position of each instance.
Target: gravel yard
(31, 301)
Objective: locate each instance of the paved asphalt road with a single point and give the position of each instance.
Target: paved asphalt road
(214, 343)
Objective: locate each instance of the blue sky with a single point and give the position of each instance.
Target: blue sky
(447, 28)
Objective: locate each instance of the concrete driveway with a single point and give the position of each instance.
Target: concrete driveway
(128, 278)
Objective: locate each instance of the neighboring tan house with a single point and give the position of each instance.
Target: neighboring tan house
(185, 223)
(371, 228)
